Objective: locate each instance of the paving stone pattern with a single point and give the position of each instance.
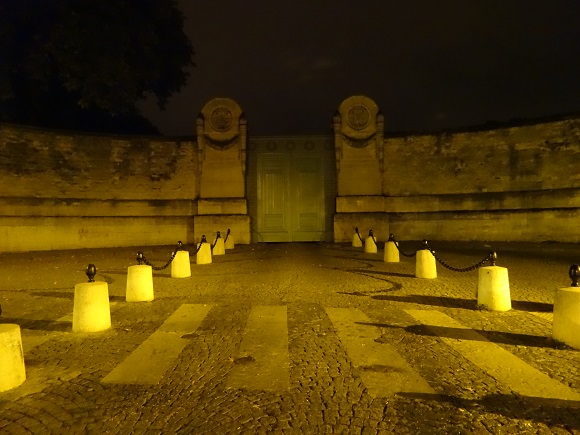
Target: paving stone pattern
(64, 394)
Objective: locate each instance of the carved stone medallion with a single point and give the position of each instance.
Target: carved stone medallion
(358, 117)
(221, 119)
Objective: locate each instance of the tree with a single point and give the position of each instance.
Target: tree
(65, 63)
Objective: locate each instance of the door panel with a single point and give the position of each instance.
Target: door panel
(308, 204)
(291, 205)
(272, 198)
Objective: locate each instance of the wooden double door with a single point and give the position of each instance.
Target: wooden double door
(291, 196)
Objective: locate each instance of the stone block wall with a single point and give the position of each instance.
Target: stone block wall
(526, 158)
(519, 183)
(61, 190)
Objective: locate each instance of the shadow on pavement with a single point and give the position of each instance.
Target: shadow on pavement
(342, 257)
(49, 294)
(70, 295)
(472, 335)
(444, 301)
(540, 307)
(552, 412)
(41, 325)
(437, 301)
(365, 272)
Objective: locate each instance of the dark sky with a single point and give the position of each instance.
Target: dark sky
(428, 64)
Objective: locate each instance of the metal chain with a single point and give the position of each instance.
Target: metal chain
(218, 235)
(227, 235)
(203, 240)
(196, 250)
(142, 259)
(404, 254)
(490, 258)
(392, 239)
(358, 234)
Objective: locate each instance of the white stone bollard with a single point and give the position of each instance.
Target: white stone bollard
(229, 241)
(219, 247)
(370, 244)
(12, 371)
(493, 289)
(425, 266)
(356, 240)
(204, 252)
(566, 326)
(391, 252)
(91, 311)
(180, 266)
(139, 283)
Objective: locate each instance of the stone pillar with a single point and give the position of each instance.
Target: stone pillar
(222, 141)
(359, 143)
(493, 289)
(91, 311)
(391, 254)
(139, 283)
(371, 244)
(566, 326)
(425, 265)
(12, 371)
(180, 266)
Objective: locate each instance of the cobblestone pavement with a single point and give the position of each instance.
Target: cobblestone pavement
(388, 371)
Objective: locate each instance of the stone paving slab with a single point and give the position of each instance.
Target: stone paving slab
(65, 392)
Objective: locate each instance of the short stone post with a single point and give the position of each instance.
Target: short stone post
(229, 241)
(12, 371)
(204, 252)
(91, 311)
(139, 282)
(493, 287)
(370, 244)
(356, 239)
(180, 266)
(219, 248)
(391, 250)
(425, 266)
(566, 326)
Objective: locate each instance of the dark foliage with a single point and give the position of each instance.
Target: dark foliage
(84, 64)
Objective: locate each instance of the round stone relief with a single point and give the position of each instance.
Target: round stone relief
(221, 119)
(358, 117)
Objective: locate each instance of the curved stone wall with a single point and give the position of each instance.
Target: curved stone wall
(514, 183)
(67, 190)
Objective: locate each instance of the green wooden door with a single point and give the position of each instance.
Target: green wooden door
(273, 198)
(307, 198)
(291, 200)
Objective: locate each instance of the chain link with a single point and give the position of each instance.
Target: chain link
(144, 260)
(404, 254)
(180, 247)
(358, 234)
(218, 235)
(203, 240)
(490, 258)
(196, 250)
(141, 257)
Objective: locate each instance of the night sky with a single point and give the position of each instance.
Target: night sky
(429, 64)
